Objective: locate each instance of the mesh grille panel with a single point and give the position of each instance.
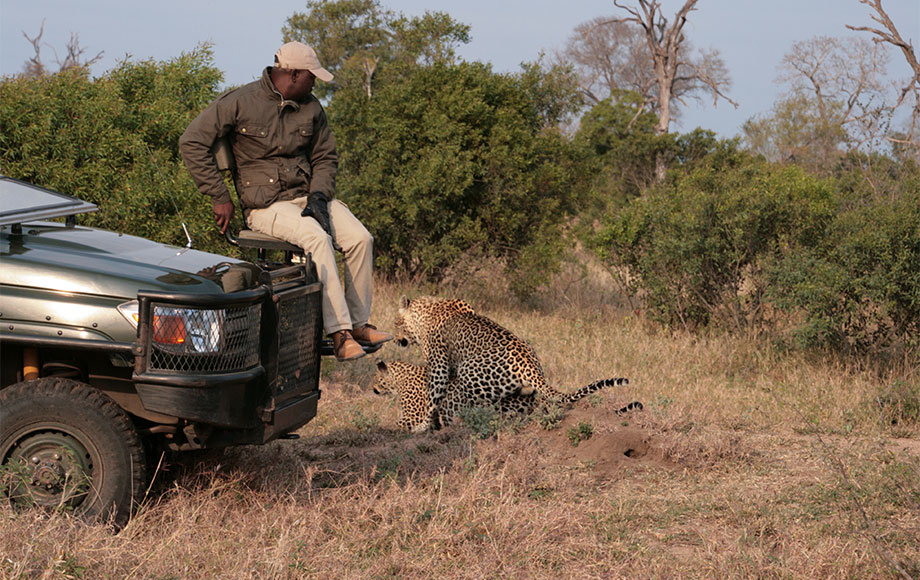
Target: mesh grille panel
(299, 322)
(204, 340)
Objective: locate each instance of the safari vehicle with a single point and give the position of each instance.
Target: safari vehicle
(114, 347)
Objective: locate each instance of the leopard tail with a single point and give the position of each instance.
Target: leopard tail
(634, 406)
(593, 387)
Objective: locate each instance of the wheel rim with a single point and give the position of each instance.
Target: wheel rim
(50, 467)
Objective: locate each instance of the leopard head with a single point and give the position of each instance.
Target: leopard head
(383, 379)
(417, 317)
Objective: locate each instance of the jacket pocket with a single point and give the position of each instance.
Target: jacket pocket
(259, 186)
(254, 131)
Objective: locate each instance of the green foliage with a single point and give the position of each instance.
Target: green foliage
(113, 141)
(858, 286)
(797, 132)
(364, 422)
(617, 137)
(578, 433)
(484, 422)
(354, 38)
(550, 416)
(451, 160)
(695, 245)
(736, 240)
(441, 159)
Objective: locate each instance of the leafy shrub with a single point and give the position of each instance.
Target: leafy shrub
(832, 263)
(446, 161)
(113, 141)
(484, 422)
(578, 433)
(620, 146)
(857, 287)
(695, 245)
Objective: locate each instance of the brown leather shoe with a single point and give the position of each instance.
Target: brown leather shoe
(345, 347)
(368, 335)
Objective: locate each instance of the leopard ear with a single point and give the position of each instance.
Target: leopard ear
(382, 366)
(404, 302)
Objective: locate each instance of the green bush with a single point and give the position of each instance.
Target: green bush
(857, 287)
(831, 263)
(618, 141)
(694, 247)
(113, 141)
(450, 161)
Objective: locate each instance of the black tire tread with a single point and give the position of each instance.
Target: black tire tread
(79, 393)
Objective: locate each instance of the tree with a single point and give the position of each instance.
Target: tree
(795, 132)
(353, 38)
(890, 35)
(611, 57)
(73, 58)
(845, 79)
(349, 36)
(666, 47)
(836, 101)
(618, 135)
(694, 246)
(449, 162)
(445, 161)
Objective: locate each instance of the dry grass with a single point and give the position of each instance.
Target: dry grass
(745, 463)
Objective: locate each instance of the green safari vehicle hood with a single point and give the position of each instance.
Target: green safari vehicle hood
(64, 281)
(84, 260)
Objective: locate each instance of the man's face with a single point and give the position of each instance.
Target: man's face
(301, 84)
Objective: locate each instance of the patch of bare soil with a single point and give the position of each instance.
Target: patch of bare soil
(602, 441)
(911, 446)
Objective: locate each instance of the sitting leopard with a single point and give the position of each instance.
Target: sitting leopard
(408, 381)
(487, 359)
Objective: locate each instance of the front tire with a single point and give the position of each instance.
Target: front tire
(66, 445)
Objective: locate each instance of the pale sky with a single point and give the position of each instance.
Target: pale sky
(751, 35)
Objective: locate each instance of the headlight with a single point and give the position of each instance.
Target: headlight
(181, 329)
(187, 329)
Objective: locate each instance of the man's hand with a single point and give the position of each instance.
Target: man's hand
(318, 209)
(222, 214)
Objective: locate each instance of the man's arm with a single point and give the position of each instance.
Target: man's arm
(195, 146)
(323, 159)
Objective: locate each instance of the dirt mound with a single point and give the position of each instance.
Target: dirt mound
(600, 440)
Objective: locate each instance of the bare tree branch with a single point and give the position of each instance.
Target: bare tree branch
(891, 36)
(666, 46)
(74, 56)
(34, 66)
(72, 59)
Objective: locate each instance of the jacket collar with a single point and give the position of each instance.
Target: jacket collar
(269, 88)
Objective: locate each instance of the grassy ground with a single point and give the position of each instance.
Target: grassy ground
(745, 463)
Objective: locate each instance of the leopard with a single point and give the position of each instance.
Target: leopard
(408, 382)
(456, 342)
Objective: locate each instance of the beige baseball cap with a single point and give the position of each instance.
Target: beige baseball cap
(298, 56)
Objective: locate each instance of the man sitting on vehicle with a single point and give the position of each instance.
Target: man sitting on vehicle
(285, 178)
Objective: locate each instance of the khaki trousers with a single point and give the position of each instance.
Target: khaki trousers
(345, 307)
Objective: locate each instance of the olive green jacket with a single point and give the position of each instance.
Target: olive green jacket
(283, 149)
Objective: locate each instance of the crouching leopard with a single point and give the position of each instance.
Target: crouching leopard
(408, 381)
(486, 359)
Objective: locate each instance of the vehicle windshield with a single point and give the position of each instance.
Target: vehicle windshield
(22, 202)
